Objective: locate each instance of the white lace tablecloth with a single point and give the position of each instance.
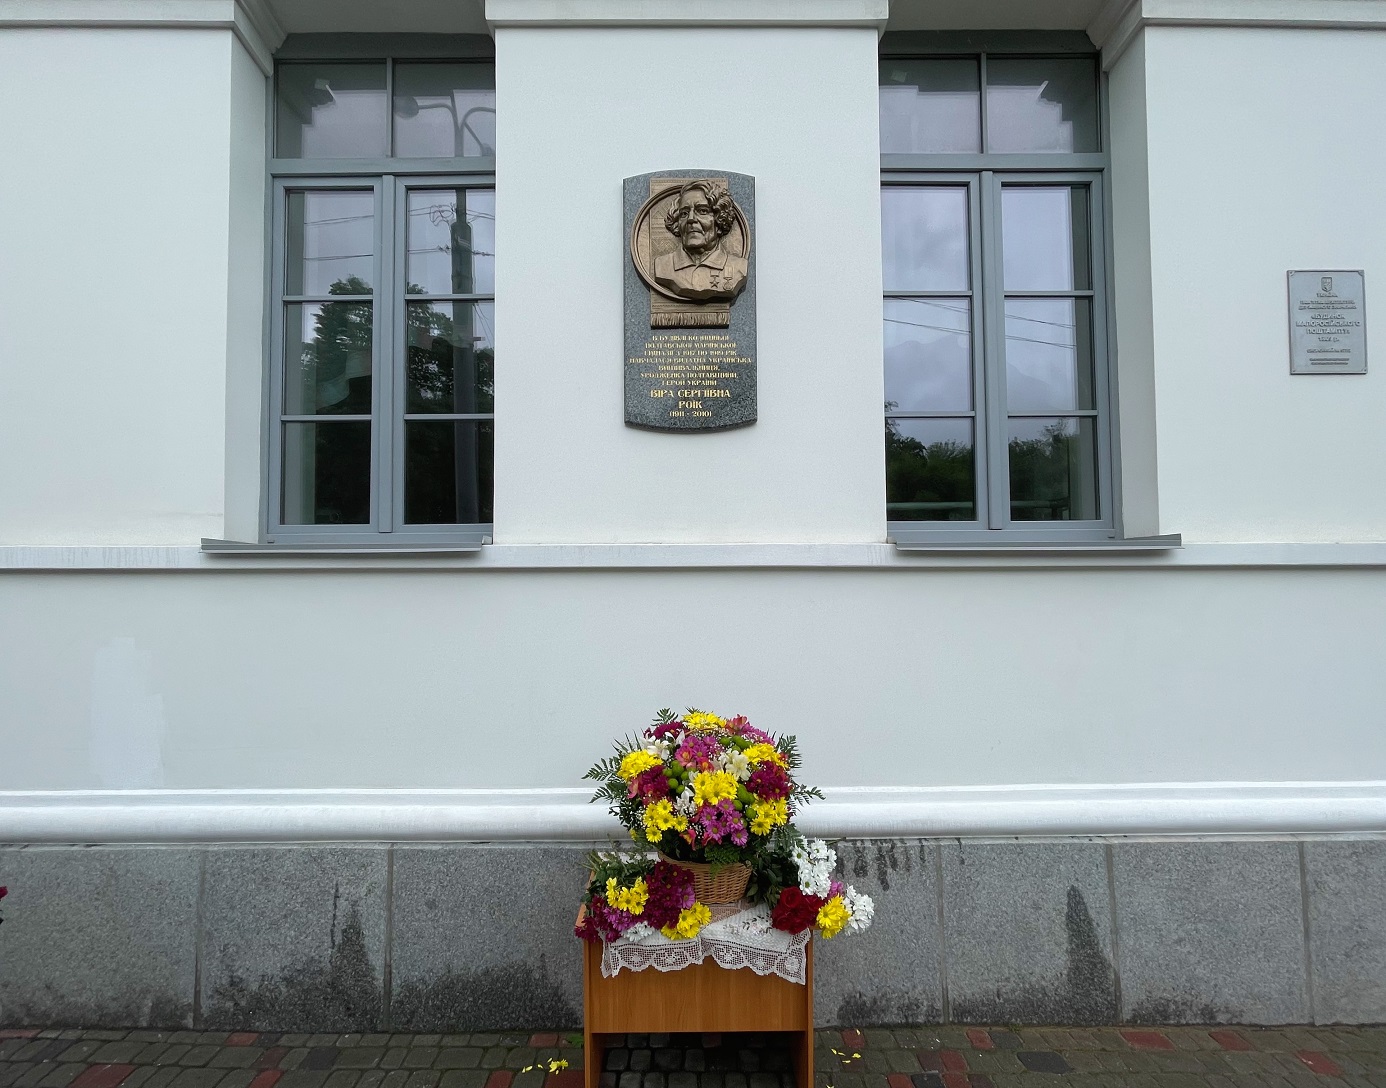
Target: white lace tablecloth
(744, 939)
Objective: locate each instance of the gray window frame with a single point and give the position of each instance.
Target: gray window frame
(390, 179)
(984, 175)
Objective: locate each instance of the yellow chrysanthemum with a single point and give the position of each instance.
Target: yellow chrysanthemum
(637, 762)
(631, 900)
(709, 787)
(701, 722)
(690, 923)
(660, 817)
(766, 815)
(762, 753)
(832, 916)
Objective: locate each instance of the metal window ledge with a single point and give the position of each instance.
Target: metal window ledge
(906, 541)
(462, 545)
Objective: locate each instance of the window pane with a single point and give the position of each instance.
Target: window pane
(327, 473)
(331, 111)
(327, 359)
(924, 238)
(1053, 469)
(452, 242)
(451, 365)
(447, 472)
(331, 243)
(930, 470)
(1044, 238)
(930, 106)
(928, 355)
(1034, 104)
(446, 110)
(1049, 355)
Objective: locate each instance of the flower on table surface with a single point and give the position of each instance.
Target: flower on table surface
(815, 859)
(794, 912)
(671, 893)
(690, 923)
(832, 917)
(862, 909)
(631, 900)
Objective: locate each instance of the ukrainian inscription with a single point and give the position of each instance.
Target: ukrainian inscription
(1328, 323)
(690, 301)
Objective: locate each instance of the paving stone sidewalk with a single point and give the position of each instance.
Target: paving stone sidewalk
(907, 1057)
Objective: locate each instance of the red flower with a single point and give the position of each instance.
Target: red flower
(4, 892)
(769, 782)
(795, 912)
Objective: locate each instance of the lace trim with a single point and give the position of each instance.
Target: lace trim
(745, 939)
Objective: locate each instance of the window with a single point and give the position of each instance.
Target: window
(997, 417)
(382, 296)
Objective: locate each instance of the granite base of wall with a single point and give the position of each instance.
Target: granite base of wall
(470, 937)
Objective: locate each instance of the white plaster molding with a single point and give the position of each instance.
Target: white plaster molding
(19, 559)
(1117, 25)
(742, 13)
(384, 815)
(251, 21)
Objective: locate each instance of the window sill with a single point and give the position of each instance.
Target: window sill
(922, 540)
(462, 546)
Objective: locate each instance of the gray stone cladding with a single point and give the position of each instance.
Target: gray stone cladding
(478, 937)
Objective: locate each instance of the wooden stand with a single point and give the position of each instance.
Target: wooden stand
(702, 998)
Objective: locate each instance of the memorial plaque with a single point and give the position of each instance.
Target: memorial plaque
(1328, 323)
(690, 287)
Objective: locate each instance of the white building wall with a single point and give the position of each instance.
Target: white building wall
(1264, 155)
(113, 272)
(134, 419)
(578, 110)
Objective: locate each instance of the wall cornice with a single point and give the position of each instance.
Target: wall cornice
(1215, 809)
(670, 13)
(1117, 25)
(251, 21)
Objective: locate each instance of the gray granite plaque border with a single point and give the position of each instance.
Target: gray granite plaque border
(644, 411)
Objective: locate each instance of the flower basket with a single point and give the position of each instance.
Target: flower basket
(714, 884)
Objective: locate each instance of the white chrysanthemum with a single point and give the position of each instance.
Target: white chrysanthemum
(814, 859)
(736, 764)
(860, 906)
(640, 931)
(684, 804)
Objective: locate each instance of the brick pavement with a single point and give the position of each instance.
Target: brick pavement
(907, 1057)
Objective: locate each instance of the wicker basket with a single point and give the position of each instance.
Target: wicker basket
(727, 886)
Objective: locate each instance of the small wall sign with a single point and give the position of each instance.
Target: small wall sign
(1328, 322)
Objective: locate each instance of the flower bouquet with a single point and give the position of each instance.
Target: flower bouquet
(715, 798)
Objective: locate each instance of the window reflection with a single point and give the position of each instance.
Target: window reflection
(930, 107)
(327, 473)
(930, 470)
(331, 241)
(327, 361)
(928, 354)
(452, 241)
(1053, 465)
(1041, 104)
(1044, 238)
(924, 238)
(451, 360)
(448, 469)
(445, 110)
(1049, 355)
(331, 111)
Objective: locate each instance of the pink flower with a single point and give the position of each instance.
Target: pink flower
(649, 785)
(697, 752)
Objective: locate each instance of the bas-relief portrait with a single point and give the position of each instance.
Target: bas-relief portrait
(701, 268)
(691, 244)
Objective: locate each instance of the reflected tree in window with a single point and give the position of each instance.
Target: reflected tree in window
(1052, 475)
(928, 482)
